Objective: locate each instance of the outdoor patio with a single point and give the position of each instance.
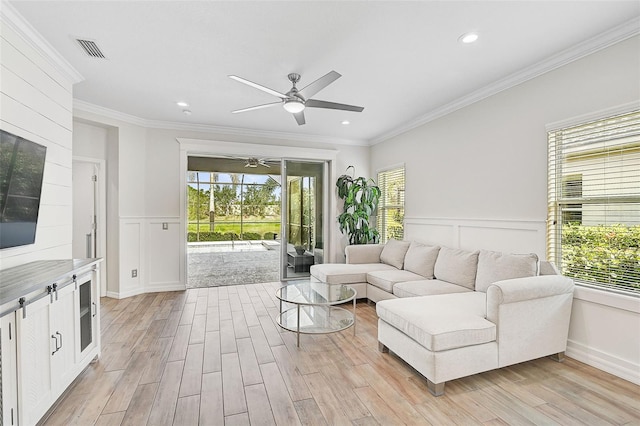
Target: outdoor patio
(223, 263)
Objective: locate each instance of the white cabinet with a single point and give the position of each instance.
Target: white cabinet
(63, 357)
(36, 345)
(56, 337)
(8, 371)
(87, 309)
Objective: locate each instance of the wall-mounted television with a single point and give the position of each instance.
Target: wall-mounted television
(21, 171)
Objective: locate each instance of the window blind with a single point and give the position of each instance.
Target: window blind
(594, 202)
(391, 204)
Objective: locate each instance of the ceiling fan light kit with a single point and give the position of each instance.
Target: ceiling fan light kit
(296, 101)
(293, 106)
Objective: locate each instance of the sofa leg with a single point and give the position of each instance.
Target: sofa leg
(382, 348)
(559, 357)
(436, 389)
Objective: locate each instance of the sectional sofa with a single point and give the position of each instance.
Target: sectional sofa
(451, 313)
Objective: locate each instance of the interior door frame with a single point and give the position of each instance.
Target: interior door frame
(212, 148)
(101, 215)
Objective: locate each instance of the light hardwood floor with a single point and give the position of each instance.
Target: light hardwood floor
(215, 356)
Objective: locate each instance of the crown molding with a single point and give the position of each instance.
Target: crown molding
(83, 106)
(13, 19)
(608, 38)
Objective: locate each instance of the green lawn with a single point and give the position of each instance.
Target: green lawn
(259, 227)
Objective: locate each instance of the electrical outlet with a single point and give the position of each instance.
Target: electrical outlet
(134, 273)
(165, 225)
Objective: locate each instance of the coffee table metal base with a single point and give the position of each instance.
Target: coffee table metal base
(313, 319)
(312, 308)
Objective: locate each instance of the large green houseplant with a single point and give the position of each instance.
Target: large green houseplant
(360, 197)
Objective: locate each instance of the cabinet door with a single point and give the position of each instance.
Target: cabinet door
(63, 359)
(9, 371)
(87, 309)
(36, 343)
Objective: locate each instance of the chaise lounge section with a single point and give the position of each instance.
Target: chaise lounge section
(451, 313)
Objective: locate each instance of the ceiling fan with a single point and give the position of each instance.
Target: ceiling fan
(253, 162)
(295, 101)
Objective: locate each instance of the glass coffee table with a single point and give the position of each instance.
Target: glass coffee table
(313, 309)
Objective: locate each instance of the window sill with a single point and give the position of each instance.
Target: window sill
(607, 298)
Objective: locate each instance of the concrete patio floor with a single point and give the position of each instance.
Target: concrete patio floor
(224, 263)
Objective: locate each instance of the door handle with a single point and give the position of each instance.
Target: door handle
(58, 333)
(89, 246)
(93, 309)
(57, 348)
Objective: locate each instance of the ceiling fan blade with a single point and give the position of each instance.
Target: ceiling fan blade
(256, 107)
(259, 87)
(313, 88)
(314, 103)
(300, 118)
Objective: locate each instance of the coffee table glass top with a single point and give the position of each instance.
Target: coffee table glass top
(308, 293)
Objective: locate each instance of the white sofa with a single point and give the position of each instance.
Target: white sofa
(452, 313)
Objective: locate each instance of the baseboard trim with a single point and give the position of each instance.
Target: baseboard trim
(604, 361)
(168, 286)
(171, 286)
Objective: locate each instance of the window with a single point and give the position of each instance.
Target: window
(594, 202)
(391, 205)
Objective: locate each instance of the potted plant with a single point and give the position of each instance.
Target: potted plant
(360, 197)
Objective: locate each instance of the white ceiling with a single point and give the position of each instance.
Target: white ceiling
(400, 60)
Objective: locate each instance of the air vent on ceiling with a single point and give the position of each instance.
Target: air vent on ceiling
(91, 48)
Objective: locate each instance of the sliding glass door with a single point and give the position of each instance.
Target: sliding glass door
(303, 215)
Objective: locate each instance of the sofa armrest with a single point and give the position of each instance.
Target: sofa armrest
(531, 316)
(363, 253)
(522, 289)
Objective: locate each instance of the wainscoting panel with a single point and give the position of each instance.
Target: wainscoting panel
(153, 251)
(131, 237)
(163, 254)
(511, 236)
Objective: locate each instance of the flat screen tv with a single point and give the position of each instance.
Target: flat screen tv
(21, 171)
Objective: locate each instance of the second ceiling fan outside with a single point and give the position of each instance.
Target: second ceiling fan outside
(295, 101)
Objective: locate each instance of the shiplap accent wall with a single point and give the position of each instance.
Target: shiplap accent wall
(36, 104)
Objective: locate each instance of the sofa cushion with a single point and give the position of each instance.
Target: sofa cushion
(426, 288)
(421, 259)
(440, 322)
(386, 279)
(393, 252)
(457, 266)
(495, 266)
(340, 273)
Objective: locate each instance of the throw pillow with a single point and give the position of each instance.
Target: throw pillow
(421, 259)
(393, 253)
(457, 266)
(495, 266)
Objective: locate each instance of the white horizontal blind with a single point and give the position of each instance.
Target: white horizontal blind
(391, 204)
(594, 202)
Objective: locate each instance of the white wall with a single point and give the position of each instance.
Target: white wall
(144, 175)
(36, 103)
(476, 178)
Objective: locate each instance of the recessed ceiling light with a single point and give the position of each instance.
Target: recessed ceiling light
(186, 112)
(468, 38)
(182, 104)
(346, 122)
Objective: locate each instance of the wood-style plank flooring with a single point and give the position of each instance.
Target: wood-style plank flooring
(214, 356)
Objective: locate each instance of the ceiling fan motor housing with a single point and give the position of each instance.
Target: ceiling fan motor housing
(294, 78)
